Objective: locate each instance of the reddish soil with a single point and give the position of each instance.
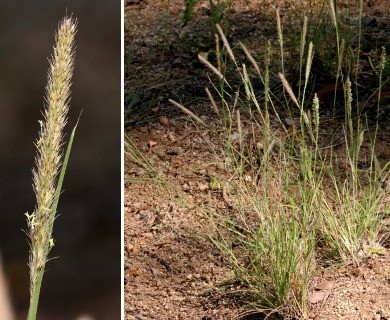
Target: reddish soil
(171, 270)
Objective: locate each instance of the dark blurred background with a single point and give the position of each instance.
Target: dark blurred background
(85, 279)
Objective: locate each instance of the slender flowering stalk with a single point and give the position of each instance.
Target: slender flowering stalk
(49, 155)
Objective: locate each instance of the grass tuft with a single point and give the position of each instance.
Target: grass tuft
(293, 193)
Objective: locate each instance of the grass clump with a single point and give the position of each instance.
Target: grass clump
(290, 195)
(351, 206)
(47, 178)
(276, 220)
(296, 193)
(219, 9)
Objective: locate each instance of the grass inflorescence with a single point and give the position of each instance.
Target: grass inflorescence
(47, 179)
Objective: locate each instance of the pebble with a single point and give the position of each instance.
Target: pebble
(164, 121)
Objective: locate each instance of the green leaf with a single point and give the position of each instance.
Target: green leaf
(204, 54)
(189, 10)
(63, 169)
(375, 250)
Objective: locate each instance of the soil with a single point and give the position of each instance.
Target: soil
(172, 270)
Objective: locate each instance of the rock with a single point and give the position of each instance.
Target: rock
(164, 121)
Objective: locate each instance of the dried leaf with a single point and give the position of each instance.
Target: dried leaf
(325, 285)
(234, 137)
(132, 170)
(155, 272)
(259, 146)
(171, 136)
(316, 296)
(177, 162)
(131, 248)
(134, 272)
(152, 143)
(203, 187)
(248, 178)
(292, 122)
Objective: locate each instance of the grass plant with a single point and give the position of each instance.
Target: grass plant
(298, 197)
(219, 10)
(276, 217)
(49, 172)
(292, 192)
